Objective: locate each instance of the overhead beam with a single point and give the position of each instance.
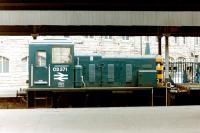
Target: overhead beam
(136, 5)
(100, 30)
(100, 18)
(99, 23)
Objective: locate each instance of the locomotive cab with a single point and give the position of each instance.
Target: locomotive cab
(51, 64)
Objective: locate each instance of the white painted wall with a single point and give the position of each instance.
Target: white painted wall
(14, 50)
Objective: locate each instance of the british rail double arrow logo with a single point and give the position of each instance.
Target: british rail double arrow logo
(60, 76)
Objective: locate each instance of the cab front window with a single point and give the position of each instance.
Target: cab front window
(61, 56)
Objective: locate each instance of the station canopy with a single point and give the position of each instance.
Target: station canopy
(100, 5)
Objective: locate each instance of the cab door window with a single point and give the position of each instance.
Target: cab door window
(41, 59)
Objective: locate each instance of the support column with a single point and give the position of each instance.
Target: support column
(166, 57)
(141, 42)
(159, 45)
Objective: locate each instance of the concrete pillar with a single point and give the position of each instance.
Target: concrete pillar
(166, 57)
(159, 45)
(141, 42)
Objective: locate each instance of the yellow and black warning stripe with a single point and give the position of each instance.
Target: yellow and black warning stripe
(159, 68)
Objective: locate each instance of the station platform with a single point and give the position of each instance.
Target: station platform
(171, 119)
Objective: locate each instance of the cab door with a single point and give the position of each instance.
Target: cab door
(39, 67)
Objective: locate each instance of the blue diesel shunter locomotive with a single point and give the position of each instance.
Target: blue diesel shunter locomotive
(57, 72)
